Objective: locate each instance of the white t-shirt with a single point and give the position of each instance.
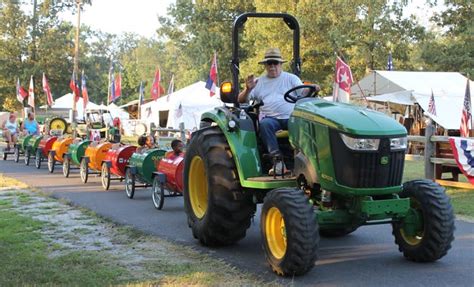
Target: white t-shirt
(271, 91)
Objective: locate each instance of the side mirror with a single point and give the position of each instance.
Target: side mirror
(227, 92)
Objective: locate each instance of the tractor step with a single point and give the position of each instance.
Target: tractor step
(272, 179)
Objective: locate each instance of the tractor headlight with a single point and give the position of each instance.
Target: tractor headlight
(398, 143)
(365, 144)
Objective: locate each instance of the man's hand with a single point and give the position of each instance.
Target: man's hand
(250, 82)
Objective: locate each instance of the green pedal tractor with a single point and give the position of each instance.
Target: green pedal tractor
(347, 164)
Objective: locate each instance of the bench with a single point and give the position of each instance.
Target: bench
(443, 151)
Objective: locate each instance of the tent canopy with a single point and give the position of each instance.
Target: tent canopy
(194, 101)
(408, 88)
(66, 103)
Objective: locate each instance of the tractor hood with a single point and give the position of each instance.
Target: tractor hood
(348, 118)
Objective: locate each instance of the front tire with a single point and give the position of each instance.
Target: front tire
(27, 156)
(84, 170)
(38, 158)
(51, 162)
(157, 193)
(289, 231)
(16, 154)
(219, 213)
(129, 183)
(105, 176)
(431, 238)
(66, 165)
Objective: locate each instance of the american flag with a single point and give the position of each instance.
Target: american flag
(31, 93)
(432, 105)
(179, 111)
(85, 93)
(466, 112)
(390, 62)
(141, 94)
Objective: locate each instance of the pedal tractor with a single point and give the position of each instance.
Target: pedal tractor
(59, 149)
(32, 147)
(73, 157)
(141, 168)
(115, 162)
(169, 177)
(44, 146)
(92, 161)
(347, 163)
(20, 147)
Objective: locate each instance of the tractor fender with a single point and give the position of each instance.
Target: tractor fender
(304, 167)
(242, 141)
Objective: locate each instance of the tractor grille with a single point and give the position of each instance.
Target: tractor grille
(364, 169)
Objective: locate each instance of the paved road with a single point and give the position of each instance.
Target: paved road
(367, 257)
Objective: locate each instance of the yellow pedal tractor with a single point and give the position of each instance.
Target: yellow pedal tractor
(347, 164)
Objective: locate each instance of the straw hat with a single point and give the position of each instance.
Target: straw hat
(272, 54)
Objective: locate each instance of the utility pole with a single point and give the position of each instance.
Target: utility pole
(76, 67)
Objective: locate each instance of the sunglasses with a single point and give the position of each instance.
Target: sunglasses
(272, 63)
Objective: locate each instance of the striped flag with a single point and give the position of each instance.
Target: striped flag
(141, 94)
(432, 105)
(466, 112)
(211, 83)
(85, 93)
(47, 91)
(31, 93)
(74, 87)
(170, 88)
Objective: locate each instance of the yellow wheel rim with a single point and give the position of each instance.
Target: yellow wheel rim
(57, 124)
(198, 189)
(415, 239)
(275, 233)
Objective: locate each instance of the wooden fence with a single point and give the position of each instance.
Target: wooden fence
(437, 156)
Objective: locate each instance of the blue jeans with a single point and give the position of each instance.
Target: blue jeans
(268, 128)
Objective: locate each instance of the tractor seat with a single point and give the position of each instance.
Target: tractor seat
(281, 134)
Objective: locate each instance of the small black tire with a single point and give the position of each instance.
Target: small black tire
(433, 238)
(157, 193)
(289, 230)
(219, 212)
(66, 165)
(84, 170)
(16, 153)
(38, 158)
(129, 183)
(51, 162)
(105, 176)
(27, 156)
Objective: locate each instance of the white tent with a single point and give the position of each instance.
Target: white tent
(183, 106)
(115, 111)
(408, 88)
(66, 102)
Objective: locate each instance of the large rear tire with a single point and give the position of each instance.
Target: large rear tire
(66, 165)
(84, 170)
(51, 162)
(431, 238)
(219, 213)
(105, 176)
(38, 158)
(289, 231)
(129, 183)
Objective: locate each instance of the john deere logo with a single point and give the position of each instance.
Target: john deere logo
(384, 160)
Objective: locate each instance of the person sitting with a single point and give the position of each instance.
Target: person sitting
(144, 143)
(10, 130)
(30, 125)
(275, 112)
(177, 150)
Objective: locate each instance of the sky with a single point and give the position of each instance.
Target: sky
(113, 16)
(141, 16)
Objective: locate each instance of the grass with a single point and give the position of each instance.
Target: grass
(461, 199)
(25, 258)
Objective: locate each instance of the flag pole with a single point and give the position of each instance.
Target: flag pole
(76, 67)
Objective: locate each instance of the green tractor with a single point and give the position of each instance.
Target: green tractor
(347, 164)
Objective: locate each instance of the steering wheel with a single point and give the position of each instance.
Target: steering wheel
(312, 91)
